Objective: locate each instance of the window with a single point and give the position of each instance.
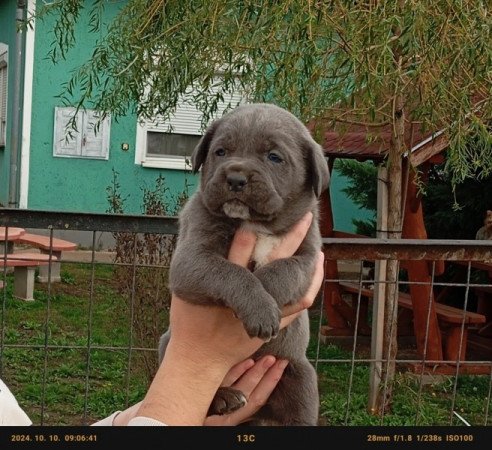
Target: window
(169, 144)
(83, 141)
(3, 92)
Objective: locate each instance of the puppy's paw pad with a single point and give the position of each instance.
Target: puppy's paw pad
(226, 401)
(266, 327)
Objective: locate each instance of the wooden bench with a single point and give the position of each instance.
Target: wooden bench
(24, 265)
(46, 245)
(450, 318)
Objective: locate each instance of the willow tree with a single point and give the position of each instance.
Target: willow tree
(374, 62)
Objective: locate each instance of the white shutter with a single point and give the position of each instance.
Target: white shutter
(3, 92)
(84, 141)
(187, 118)
(95, 144)
(67, 141)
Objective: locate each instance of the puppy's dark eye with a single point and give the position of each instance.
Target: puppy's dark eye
(275, 158)
(220, 152)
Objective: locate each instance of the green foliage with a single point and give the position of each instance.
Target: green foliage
(67, 278)
(338, 62)
(362, 186)
(450, 212)
(114, 382)
(344, 405)
(455, 212)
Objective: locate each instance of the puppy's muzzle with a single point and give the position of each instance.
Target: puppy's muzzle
(236, 181)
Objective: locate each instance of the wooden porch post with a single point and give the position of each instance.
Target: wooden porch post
(424, 311)
(331, 290)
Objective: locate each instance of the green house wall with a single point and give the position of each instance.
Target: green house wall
(71, 184)
(80, 185)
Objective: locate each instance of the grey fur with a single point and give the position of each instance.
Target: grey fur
(247, 186)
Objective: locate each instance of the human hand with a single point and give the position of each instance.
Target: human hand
(256, 380)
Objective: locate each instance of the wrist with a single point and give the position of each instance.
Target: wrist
(201, 353)
(183, 387)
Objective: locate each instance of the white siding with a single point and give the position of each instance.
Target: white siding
(3, 92)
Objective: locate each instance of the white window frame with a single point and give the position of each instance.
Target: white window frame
(186, 120)
(4, 58)
(77, 143)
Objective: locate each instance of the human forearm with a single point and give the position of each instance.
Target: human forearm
(183, 387)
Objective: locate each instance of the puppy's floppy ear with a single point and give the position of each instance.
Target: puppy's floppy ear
(201, 150)
(317, 166)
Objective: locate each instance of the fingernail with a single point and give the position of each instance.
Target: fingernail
(308, 217)
(249, 363)
(269, 361)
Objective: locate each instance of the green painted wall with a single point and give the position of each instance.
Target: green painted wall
(344, 209)
(69, 184)
(7, 36)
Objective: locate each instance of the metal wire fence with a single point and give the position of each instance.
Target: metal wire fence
(86, 345)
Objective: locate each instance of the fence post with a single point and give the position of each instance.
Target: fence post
(377, 334)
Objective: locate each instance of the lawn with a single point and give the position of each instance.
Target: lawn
(77, 386)
(87, 371)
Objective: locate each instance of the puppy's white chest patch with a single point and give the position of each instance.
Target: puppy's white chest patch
(264, 245)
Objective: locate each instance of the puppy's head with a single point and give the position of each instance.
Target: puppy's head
(255, 160)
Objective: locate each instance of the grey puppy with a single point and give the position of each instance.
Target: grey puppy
(262, 170)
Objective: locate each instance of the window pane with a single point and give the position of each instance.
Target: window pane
(162, 144)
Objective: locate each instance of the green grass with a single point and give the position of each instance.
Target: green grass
(67, 384)
(70, 385)
(431, 406)
(412, 404)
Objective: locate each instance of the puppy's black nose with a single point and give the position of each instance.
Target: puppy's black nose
(236, 181)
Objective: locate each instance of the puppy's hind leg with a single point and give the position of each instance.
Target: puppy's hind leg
(295, 400)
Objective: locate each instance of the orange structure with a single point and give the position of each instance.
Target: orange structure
(427, 314)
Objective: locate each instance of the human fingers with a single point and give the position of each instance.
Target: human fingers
(237, 371)
(290, 312)
(262, 391)
(257, 384)
(252, 377)
(242, 247)
(292, 240)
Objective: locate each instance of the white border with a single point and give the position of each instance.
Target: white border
(27, 109)
(158, 162)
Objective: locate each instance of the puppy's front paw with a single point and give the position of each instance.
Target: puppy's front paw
(264, 324)
(226, 400)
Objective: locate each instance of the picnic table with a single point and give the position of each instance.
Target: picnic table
(483, 290)
(24, 264)
(8, 235)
